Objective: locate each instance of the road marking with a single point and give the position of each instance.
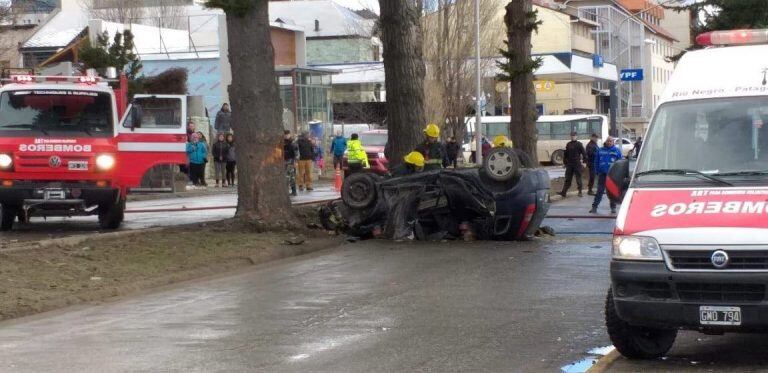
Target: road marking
(605, 362)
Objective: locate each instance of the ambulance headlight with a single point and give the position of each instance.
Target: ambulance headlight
(105, 162)
(5, 161)
(636, 248)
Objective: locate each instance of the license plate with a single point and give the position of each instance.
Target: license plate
(78, 165)
(715, 315)
(54, 194)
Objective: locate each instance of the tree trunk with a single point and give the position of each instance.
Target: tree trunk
(522, 126)
(404, 69)
(256, 119)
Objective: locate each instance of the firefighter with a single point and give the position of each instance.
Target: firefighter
(502, 141)
(412, 163)
(356, 156)
(432, 150)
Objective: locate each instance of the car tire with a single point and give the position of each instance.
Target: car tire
(7, 217)
(558, 157)
(111, 216)
(502, 164)
(359, 190)
(636, 342)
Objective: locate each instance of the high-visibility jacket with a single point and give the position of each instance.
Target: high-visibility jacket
(356, 153)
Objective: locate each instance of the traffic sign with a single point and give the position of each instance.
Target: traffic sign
(631, 75)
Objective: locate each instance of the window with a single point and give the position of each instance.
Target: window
(155, 112)
(720, 136)
(561, 130)
(543, 129)
(56, 112)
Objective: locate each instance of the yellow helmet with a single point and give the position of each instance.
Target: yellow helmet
(432, 130)
(501, 141)
(415, 158)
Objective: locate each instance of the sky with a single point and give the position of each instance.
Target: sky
(359, 4)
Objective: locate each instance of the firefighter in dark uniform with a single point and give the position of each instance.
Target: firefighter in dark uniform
(432, 150)
(412, 163)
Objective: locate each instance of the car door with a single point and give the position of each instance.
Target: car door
(151, 142)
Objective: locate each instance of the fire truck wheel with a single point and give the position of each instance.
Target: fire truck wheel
(111, 216)
(7, 216)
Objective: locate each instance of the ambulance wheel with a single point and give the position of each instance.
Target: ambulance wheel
(502, 164)
(558, 157)
(111, 216)
(636, 342)
(7, 216)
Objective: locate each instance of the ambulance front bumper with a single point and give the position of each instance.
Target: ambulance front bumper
(649, 294)
(44, 194)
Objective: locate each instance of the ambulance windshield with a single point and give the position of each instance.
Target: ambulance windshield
(725, 138)
(62, 112)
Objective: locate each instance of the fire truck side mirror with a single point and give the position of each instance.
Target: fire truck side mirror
(617, 182)
(136, 116)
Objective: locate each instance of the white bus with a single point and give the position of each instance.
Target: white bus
(554, 131)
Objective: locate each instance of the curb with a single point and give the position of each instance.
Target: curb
(75, 240)
(605, 362)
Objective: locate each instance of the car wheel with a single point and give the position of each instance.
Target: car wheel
(7, 217)
(359, 190)
(558, 157)
(636, 342)
(502, 164)
(112, 215)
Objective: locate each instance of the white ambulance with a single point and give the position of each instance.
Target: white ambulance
(690, 246)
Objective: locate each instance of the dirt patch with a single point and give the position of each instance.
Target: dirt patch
(43, 279)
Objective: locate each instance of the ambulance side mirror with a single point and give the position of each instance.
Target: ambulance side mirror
(617, 182)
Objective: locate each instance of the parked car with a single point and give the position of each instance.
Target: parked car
(374, 142)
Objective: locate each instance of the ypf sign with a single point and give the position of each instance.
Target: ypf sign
(544, 85)
(631, 75)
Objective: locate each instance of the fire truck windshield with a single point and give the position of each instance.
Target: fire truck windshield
(725, 138)
(60, 112)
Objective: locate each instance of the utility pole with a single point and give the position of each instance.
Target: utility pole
(478, 115)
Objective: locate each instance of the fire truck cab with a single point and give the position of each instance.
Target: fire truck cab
(70, 147)
(690, 246)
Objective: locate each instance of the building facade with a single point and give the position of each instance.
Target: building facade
(561, 32)
(341, 40)
(631, 36)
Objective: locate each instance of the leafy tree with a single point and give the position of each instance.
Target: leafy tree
(712, 15)
(517, 68)
(118, 54)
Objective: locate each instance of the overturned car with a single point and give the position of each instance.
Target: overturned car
(505, 199)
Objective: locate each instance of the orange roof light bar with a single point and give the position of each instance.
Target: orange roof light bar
(733, 37)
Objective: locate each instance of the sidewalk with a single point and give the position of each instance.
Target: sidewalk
(323, 190)
(577, 219)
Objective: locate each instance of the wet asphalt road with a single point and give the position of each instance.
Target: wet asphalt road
(367, 307)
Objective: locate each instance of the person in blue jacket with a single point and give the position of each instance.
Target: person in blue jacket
(338, 147)
(606, 155)
(197, 152)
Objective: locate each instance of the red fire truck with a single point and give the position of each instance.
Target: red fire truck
(74, 146)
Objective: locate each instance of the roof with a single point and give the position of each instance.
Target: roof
(334, 20)
(356, 73)
(541, 118)
(59, 31)
(101, 87)
(700, 74)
